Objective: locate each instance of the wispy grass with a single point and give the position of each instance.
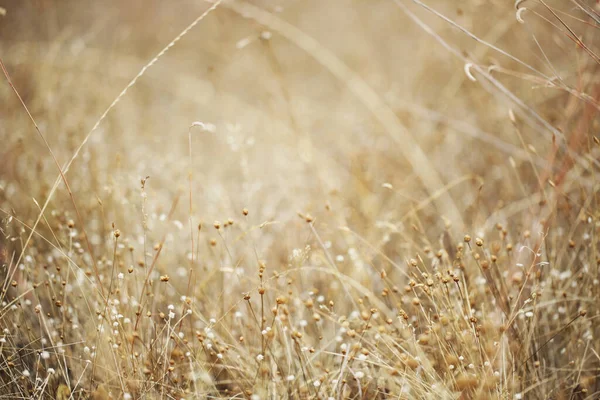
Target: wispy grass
(388, 199)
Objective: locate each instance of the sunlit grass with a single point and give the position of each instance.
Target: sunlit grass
(317, 200)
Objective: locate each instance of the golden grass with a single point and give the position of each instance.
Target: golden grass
(322, 200)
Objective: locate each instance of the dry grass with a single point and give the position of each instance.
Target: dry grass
(407, 197)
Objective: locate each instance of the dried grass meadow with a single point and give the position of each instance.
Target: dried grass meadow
(269, 199)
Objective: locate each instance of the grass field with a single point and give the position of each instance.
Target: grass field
(269, 199)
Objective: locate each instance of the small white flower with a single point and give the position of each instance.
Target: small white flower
(317, 383)
(260, 357)
(290, 378)
(26, 373)
(51, 371)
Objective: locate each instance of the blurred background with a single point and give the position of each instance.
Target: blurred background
(292, 133)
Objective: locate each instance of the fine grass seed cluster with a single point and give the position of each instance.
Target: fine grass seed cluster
(234, 199)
